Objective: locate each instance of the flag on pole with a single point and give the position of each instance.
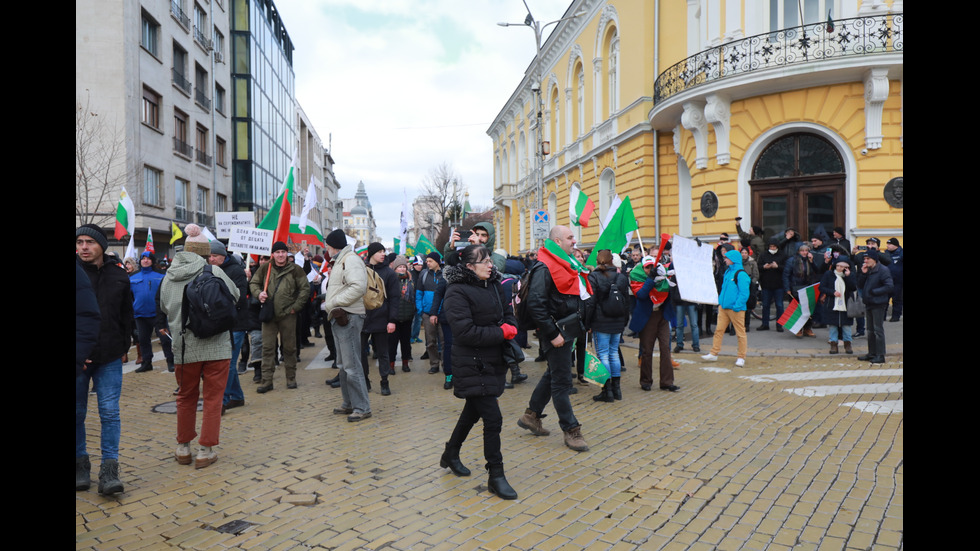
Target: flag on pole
(307, 230)
(125, 216)
(610, 213)
(580, 207)
(616, 234)
(308, 203)
(397, 245)
(800, 309)
(278, 217)
(567, 273)
(424, 246)
(207, 233)
(149, 241)
(130, 249)
(175, 232)
(403, 230)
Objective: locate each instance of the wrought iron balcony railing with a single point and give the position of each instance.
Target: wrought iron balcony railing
(828, 40)
(202, 39)
(182, 147)
(180, 80)
(179, 15)
(202, 157)
(202, 99)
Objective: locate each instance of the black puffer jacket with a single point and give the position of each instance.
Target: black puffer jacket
(377, 320)
(115, 297)
(475, 310)
(599, 321)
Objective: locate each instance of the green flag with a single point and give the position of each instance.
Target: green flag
(424, 246)
(397, 246)
(615, 235)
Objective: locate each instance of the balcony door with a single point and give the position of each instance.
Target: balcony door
(798, 182)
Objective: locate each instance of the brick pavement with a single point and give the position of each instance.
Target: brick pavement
(726, 463)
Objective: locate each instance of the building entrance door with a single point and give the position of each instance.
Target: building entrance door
(798, 182)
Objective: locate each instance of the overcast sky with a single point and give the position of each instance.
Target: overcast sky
(404, 85)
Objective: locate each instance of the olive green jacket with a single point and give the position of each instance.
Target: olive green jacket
(288, 288)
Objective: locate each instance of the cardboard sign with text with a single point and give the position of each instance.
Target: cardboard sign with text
(250, 241)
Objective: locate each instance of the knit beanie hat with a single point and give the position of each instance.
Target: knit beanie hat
(435, 256)
(337, 239)
(218, 248)
(398, 261)
(373, 248)
(96, 233)
(196, 242)
(279, 246)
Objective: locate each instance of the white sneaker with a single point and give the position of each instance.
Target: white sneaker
(740, 363)
(710, 357)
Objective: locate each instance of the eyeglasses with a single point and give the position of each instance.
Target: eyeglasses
(486, 261)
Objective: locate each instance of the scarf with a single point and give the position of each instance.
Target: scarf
(839, 304)
(567, 272)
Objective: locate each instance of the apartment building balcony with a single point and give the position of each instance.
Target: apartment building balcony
(201, 98)
(180, 81)
(183, 148)
(178, 13)
(203, 158)
(793, 58)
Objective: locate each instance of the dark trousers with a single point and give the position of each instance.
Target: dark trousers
(555, 384)
(876, 329)
(475, 409)
(380, 340)
(144, 329)
(403, 336)
(657, 330)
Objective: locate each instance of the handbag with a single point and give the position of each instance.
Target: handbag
(855, 307)
(512, 353)
(570, 326)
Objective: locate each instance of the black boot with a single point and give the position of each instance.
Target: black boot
(450, 459)
(109, 478)
(83, 469)
(498, 483)
(617, 391)
(516, 377)
(257, 377)
(606, 394)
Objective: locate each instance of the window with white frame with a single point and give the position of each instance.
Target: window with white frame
(151, 186)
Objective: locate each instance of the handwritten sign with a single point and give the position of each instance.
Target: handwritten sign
(250, 241)
(225, 221)
(692, 268)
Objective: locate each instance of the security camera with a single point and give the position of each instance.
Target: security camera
(535, 87)
(864, 151)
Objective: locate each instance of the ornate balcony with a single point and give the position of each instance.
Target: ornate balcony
(859, 36)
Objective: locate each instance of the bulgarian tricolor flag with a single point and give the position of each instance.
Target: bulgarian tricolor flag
(362, 252)
(307, 230)
(800, 309)
(567, 273)
(125, 216)
(580, 207)
(149, 241)
(278, 217)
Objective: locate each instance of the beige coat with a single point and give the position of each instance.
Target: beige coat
(347, 283)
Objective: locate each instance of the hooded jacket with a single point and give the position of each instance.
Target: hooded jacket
(288, 287)
(734, 295)
(452, 255)
(187, 347)
(144, 284)
(115, 298)
(347, 283)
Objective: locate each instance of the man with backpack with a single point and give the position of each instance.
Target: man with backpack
(380, 321)
(731, 307)
(281, 286)
(344, 304)
(202, 350)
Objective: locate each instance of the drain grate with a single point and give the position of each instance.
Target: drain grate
(234, 527)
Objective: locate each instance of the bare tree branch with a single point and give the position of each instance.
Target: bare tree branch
(100, 166)
(441, 192)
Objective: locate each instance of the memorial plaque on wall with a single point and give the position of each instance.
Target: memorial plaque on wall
(894, 194)
(709, 204)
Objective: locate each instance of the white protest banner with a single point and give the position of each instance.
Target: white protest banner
(225, 221)
(693, 271)
(250, 241)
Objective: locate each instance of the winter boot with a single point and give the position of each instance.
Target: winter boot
(109, 478)
(516, 376)
(450, 459)
(616, 389)
(532, 422)
(574, 439)
(833, 348)
(847, 347)
(391, 368)
(498, 485)
(606, 394)
(83, 470)
(405, 367)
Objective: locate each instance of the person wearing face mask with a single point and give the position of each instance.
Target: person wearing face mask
(838, 285)
(404, 316)
(771, 263)
(801, 272)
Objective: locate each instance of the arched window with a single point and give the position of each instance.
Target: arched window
(552, 209)
(524, 165)
(555, 119)
(607, 191)
(579, 123)
(613, 73)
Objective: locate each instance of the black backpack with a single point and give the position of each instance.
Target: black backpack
(614, 304)
(208, 307)
(524, 320)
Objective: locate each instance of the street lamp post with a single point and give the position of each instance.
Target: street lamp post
(538, 28)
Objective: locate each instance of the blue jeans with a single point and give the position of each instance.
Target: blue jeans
(106, 381)
(416, 326)
(607, 349)
(768, 296)
(233, 390)
(842, 331)
(555, 384)
(692, 321)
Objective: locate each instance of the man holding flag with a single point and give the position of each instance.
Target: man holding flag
(556, 290)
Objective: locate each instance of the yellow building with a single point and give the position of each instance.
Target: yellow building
(706, 110)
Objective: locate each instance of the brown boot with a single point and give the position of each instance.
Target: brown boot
(833, 348)
(847, 347)
(532, 422)
(574, 440)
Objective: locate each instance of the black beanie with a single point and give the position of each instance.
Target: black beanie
(279, 246)
(96, 233)
(435, 256)
(337, 239)
(373, 248)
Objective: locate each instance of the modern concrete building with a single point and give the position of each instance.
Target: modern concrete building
(314, 161)
(153, 111)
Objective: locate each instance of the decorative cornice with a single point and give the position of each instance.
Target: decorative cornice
(718, 112)
(875, 94)
(693, 120)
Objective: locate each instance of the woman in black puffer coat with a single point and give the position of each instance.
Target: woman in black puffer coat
(475, 309)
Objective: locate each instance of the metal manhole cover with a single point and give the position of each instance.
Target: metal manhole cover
(171, 407)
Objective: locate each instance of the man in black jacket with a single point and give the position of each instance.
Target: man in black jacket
(875, 282)
(103, 368)
(378, 323)
(557, 313)
(235, 269)
(771, 264)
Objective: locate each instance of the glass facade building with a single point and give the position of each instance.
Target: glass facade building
(263, 104)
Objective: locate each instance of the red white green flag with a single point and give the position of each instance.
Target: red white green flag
(567, 273)
(580, 207)
(125, 216)
(278, 217)
(149, 241)
(800, 309)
